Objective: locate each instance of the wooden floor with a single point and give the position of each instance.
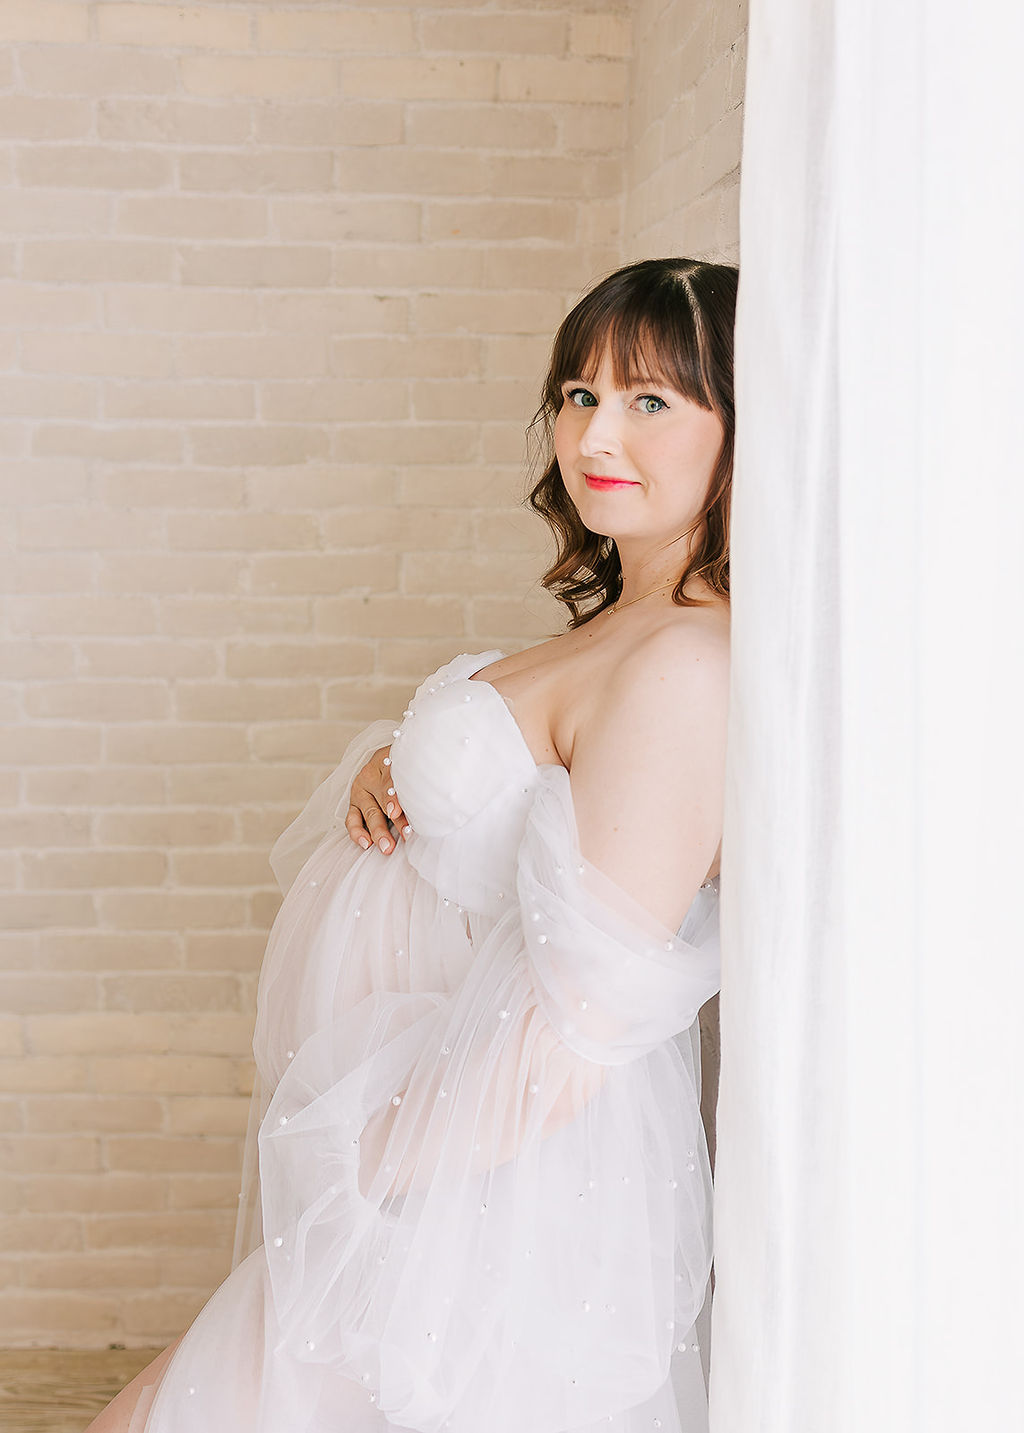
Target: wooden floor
(50, 1390)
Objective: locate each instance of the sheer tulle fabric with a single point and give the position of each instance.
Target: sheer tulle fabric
(483, 1190)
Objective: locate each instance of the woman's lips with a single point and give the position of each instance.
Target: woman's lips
(601, 484)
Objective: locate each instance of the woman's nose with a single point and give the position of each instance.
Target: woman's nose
(601, 434)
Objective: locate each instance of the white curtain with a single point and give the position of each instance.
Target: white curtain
(869, 1208)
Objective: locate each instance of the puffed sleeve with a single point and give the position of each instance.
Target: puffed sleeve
(492, 1208)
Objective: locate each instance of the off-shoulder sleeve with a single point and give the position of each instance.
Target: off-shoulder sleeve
(492, 1209)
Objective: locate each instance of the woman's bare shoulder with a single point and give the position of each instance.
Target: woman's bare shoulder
(690, 647)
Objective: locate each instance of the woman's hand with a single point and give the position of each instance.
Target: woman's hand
(373, 803)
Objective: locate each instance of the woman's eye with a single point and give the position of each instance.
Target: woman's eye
(582, 397)
(651, 403)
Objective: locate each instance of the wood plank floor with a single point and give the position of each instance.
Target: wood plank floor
(52, 1390)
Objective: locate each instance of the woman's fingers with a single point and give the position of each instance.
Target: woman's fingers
(373, 804)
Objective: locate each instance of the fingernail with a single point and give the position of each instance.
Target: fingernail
(385, 844)
(364, 843)
(390, 808)
(406, 830)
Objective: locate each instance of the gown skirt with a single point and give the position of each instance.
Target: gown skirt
(476, 1194)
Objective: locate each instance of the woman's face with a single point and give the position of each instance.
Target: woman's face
(659, 447)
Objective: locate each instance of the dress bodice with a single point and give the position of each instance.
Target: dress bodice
(466, 779)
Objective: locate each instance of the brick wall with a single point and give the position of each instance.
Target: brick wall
(277, 283)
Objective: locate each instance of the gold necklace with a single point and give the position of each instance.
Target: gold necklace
(616, 605)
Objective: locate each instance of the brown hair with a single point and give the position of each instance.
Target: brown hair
(668, 320)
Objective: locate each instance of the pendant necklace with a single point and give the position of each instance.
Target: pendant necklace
(615, 605)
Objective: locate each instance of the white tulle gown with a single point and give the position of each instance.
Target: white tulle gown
(483, 1200)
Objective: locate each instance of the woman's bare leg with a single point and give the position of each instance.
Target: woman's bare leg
(117, 1415)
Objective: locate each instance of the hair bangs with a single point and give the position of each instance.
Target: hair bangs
(650, 337)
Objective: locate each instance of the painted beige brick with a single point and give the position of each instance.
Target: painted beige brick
(155, 658)
(243, 530)
(25, 994)
(64, 1153)
(372, 122)
(179, 400)
(110, 444)
(148, 1315)
(471, 574)
(39, 1313)
(593, 127)
(497, 219)
(265, 171)
(169, 910)
(323, 573)
(173, 309)
(201, 27)
(519, 312)
(196, 827)
(98, 701)
(225, 1115)
(217, 1033)
(395, 616)
(23, 304)
(99, 1032)
(451, 485)
(90, 1114)
(597, 34)
(43, 1073)
(143, 1153)
(207, 1229)
(21, 660)
(257, 76)
(263, 444)
(191, 217)
(257, 266)
(206, 1191)
(398, 529)
(234, 950)
(32, 1232)
(197, 1269)
(300, 741)
(415, 171)
(26, 482)
(36, 398)
(167, 572)
(344, 219)
(205, 617)
(545, 77)
(59, 70)
(414, 443)
(257, 356)
(375, 30)
(93, 786)
(173, 121)
(150, 487)
(215, 701)
(58, 21)
(172, 744)
(88, 1194)
(90, 1271)
(425, 265)
(298, 659)
(51, 746)
(12, 1043)
(487, 126)
(70, 528)
(164, 1074)
(106, 950)
(94, 261)
(487, 400)
(321, 486)
(27, 117)
(332, 402)
(71, 870)
(402, 357)
(94, 167)
(419, 78)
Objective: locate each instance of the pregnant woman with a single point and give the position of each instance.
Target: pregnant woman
(483, 1200)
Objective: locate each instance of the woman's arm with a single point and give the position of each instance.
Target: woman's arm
(651, 758)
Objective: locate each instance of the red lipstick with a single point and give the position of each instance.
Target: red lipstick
(600, 484)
